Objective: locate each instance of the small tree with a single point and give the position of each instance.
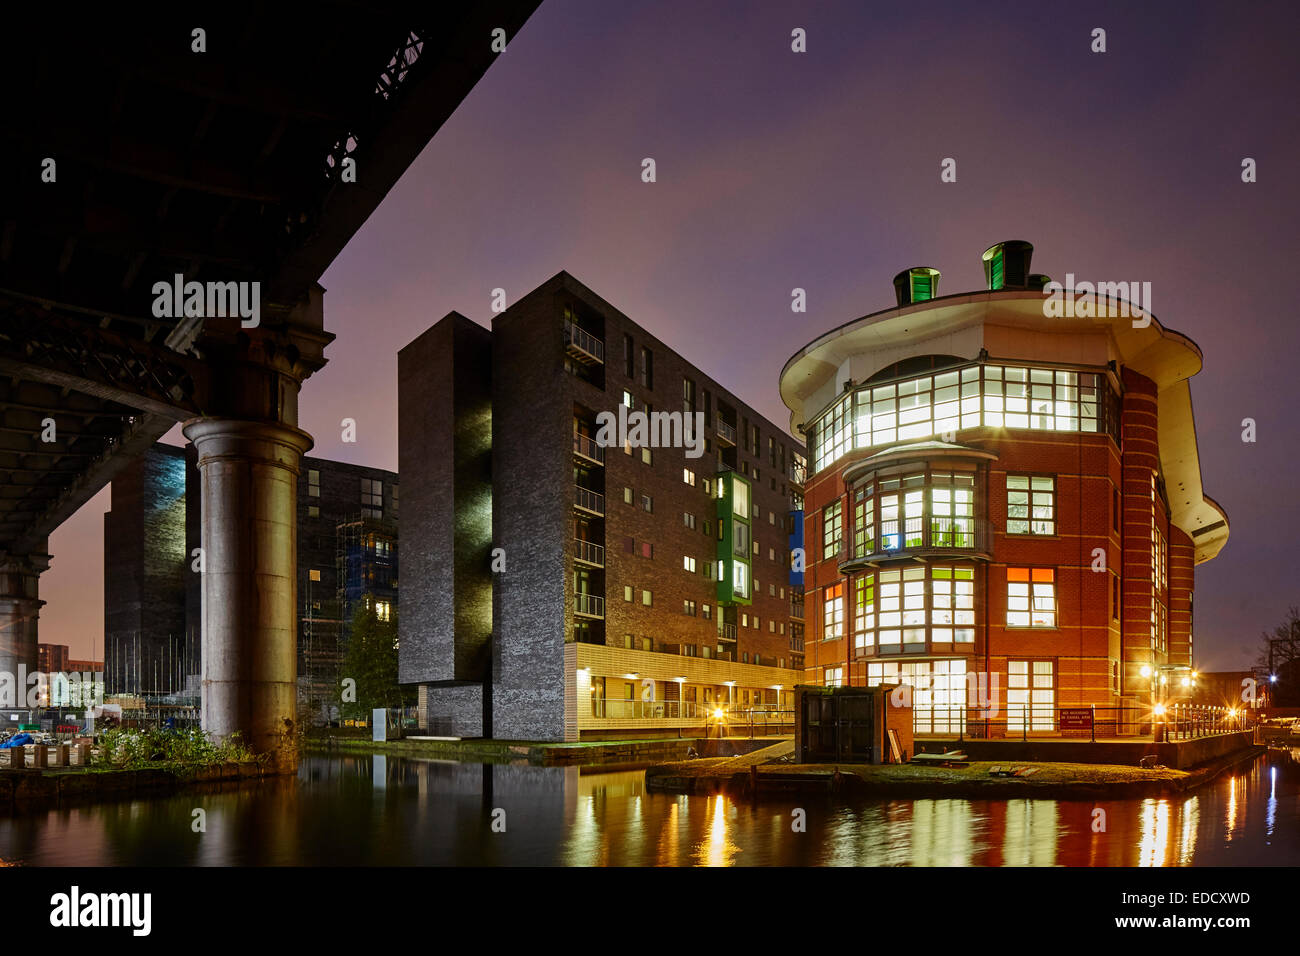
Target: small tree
(1279, 656)
(371, 660)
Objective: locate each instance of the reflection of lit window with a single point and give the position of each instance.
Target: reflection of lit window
(383, 610)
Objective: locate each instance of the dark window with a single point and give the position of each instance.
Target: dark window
(647, 368)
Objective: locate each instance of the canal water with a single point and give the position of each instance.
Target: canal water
(361, 810)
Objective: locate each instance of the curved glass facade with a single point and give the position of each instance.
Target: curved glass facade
(969, 396)
(920, 508)
(898, 610)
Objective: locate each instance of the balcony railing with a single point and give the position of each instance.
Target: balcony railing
(582, 345)
(736, 717)
(587, 552)
(592, 502)
(796, 644)
(728, 632)
(589, 605)
(615, 709)
(726, 432)
(584, 446)
(797, 473)
(796, 609)
(901, 537)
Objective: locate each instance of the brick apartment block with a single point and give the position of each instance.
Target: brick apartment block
(602, 613)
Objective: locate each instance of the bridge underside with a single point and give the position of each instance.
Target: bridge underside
(135, 151)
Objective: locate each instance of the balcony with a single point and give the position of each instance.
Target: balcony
(728, 632)
(589, 605)
(726, 433)
(583, 346)
(796, 608)
(797, 473)
(588, 501)
(796, 644)
(586, 449)
(918, 538)
(588, 553)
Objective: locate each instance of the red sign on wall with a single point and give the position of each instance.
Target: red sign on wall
(1076, 718)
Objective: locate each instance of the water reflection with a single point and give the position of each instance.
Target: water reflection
(356, 810)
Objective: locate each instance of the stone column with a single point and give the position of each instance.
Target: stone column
(249, 473)
(19, 609)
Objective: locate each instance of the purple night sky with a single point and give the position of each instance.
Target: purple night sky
(821, 170)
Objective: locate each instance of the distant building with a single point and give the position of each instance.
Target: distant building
(562, 585)
(152, 597)
(151, 601)
(52, 658)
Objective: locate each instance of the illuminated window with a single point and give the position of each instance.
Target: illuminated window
(1031, 696)
(833, 618)
(313, 575)
(938, 691)
(832, 531)
(688, 476)
(313, 483)
(383, 610)
(740, 578)
(929, 406)
(833, 677)
(1031, 597)
(688, 563)
(1031, 505)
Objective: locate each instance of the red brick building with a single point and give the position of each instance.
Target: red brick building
(1004, 504)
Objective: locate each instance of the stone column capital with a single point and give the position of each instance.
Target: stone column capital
(242, 439)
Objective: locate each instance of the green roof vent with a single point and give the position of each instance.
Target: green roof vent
(1006, 265)
(916, 284)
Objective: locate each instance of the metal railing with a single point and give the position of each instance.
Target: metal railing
(610, 708)
(591, 605)
(796, 609)
(797, 473)
(588, 552)
(589, 500)
(586, 446)
(1084, 721)
(728, 632)
(726, 431)
(582, 339)
(736, 719)
(900, 536)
